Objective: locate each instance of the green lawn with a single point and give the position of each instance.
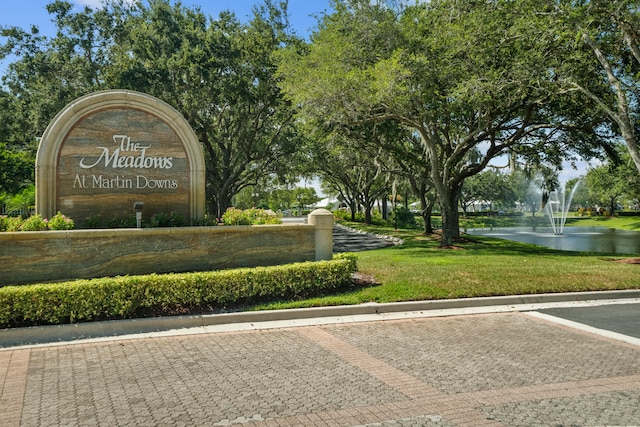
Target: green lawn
(420, 270)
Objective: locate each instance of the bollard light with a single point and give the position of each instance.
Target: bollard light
(137, 207)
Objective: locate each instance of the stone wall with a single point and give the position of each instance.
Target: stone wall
(44, 256)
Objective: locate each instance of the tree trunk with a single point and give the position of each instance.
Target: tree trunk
(612, 206)
(450, 217)
(426, 215)
(220, 203)
(367, 212)
(384, 208)
(427, 208)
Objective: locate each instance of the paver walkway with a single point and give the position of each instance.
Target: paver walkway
(478, 370)
(347, 240)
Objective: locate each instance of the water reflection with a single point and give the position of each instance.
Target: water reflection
(583, 239)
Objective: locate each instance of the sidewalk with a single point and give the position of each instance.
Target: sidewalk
(481, 364)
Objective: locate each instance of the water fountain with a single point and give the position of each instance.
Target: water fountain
(558, 217)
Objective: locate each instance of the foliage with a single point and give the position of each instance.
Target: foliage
(609, 182)
(11, 223)
(207, 221)
(60, 222)
(405, 217)
(601, 60)
(133, 296)
(16, 169)
(34, 223)
(93, 222)
(463, 77)
(23, 202)
(252, 216)
(128, 221)
(221, 75)
(402, 218)
(218, 73)
(488, 187)
(171, 219)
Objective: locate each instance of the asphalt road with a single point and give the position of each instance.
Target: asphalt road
(620, 318)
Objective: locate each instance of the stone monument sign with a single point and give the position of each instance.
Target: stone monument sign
(108, 151)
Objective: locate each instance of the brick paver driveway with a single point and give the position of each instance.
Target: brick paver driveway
(493, 369)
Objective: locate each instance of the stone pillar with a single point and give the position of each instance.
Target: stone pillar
(322, 220)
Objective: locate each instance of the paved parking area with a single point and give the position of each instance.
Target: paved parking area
(507, 369)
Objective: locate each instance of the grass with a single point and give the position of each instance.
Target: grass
(420, 270)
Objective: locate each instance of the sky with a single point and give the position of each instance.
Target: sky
(24, 13)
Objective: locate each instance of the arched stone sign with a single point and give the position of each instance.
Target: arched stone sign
(108, 150)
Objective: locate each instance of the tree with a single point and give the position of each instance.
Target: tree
(490, 187)
(51, 72)
(305, 197)
(355, 174)
(605, 63)
(16, 169)
(609, 182)
(604, 186)
(220, 74)
(463, 77)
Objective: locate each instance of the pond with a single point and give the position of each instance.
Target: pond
(582, 239)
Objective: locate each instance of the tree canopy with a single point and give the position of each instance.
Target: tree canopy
(431, 92)
(471, 80)
(219, 73)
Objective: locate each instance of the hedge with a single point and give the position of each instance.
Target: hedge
(163, 294)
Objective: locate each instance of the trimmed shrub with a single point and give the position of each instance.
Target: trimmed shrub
(60, 222)
(252, 216)
(154, 294)
(34, 223)
(14, 223)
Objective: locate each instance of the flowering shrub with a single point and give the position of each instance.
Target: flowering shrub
(60, 222)
(34, 223)
(14, 223)
(253, 216)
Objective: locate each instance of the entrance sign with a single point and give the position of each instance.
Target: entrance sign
(108, 150)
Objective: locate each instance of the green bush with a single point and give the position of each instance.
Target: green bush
(60, 222)
(14, 223)
(128, 221)
(135, 296)
(252, 216)
(405, 218)
(4, 223)
(171, 219)
(34, 223)
(207, 220)
(94, 221)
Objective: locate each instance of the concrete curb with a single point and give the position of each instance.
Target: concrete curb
(78, 331)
